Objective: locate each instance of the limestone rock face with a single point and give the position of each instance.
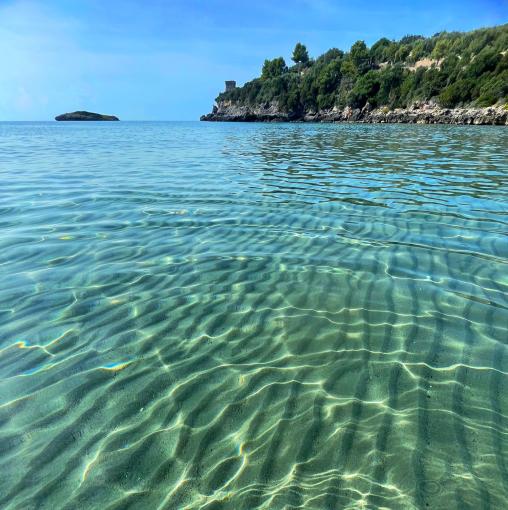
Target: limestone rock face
(234, 112)
(82, 115)
(418, 113)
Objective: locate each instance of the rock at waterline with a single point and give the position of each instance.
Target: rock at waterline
(81, 115)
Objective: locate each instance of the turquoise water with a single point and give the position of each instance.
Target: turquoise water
(242, 316)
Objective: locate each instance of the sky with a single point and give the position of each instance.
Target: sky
(167, 60)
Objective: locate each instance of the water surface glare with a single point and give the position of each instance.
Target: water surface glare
(253, 316)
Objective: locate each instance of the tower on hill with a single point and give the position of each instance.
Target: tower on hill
(230, 85)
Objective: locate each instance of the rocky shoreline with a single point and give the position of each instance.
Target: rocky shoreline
(420, 113)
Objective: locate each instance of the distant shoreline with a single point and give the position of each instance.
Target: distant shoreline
(416, 114)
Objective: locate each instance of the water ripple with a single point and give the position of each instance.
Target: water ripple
(253, 316)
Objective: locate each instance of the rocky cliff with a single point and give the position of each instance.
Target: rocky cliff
(229, 111)
(419, 113)
(82, 115)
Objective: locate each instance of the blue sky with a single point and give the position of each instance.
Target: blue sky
(167, 60)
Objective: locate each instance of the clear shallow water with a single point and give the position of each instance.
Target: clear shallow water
(253, 316)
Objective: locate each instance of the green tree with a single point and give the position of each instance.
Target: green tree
(293, 101)
(402, 53)
(407, 88)
(360, 55)
(494, 89)
(333, 54)
(417, 51)
(378, 51)
(273, 68)
(348, 69)
(300, 54)
(365, 90)
(432, 83)
(460, 91)
(441, 48)
(485, 61)
(390, 80)
(408, 39)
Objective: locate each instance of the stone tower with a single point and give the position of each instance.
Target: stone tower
(230, 85)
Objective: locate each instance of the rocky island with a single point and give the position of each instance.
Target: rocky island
(449, 78)
(82, 115)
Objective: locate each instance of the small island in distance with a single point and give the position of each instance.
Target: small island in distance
(82, 115)
(449, 78)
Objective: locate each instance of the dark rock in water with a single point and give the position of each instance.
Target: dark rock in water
(85, 116)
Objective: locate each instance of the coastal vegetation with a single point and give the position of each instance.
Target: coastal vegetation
(452, 69)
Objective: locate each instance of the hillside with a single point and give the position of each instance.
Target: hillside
(447, 70)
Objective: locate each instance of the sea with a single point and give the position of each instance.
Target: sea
(253, 316)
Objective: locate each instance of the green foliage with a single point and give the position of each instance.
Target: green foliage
(465, 68)
(366, 88)
(402, 53)
(458, 92)
(333, 54)
(348, 69)
(408, 39)
(273, 68)
(494, 89)
(441, 49)
(360, 56)
(380, 50)
(300, 54)
(390, 81)
(486, 60)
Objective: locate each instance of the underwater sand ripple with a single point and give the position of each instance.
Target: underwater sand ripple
(253, 316)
